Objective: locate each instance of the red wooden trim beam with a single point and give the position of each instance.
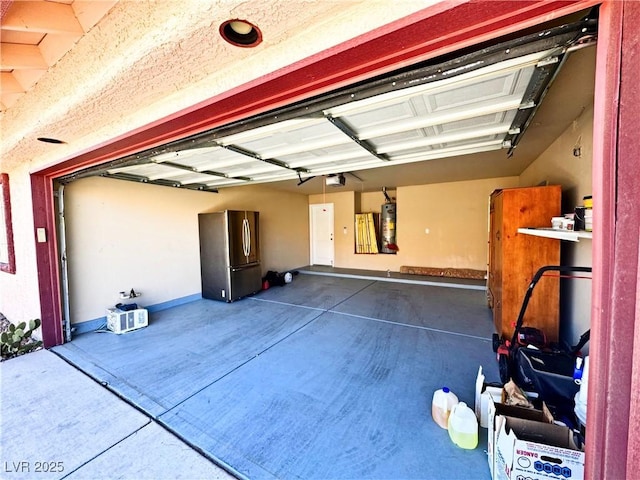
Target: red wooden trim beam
(5, 205)
(612, 346)
(626, 298)
(47, 261)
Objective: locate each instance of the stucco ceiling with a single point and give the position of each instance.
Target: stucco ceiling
(146, 50)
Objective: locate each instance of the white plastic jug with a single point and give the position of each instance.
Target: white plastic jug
(443, 401)
(463, 426)
(581, 396)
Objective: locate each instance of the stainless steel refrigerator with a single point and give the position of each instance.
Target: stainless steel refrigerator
(229, 254)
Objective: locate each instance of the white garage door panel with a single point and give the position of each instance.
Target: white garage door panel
(467, 113)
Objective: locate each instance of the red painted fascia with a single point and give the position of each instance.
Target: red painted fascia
(628, 199)
(47, 260)
(614, 404)
(601, 456)
(5, 204)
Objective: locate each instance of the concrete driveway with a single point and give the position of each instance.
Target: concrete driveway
(58, 423)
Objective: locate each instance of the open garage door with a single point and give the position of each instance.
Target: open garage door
(482, 101)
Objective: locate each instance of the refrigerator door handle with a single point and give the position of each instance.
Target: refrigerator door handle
(244, 267)
(246, 238)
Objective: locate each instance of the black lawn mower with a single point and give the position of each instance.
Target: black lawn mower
(530, 361)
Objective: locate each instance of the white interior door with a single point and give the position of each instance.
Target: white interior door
(321, 234)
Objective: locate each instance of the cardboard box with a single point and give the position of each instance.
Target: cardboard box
(485, 393)
(522, 442)
(497, 413)
(535, 450)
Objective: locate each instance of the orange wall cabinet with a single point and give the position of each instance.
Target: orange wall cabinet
(514, 258)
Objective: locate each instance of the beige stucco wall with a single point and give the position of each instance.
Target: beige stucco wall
(558, 165)
(19, 298)
(372, 201)
(455, 213)
(121, 235)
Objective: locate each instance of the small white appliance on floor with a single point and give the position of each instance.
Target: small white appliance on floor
(121, 321)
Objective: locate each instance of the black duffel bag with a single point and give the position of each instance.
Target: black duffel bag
(550, 374)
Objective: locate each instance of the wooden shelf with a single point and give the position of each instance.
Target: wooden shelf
(555, 233)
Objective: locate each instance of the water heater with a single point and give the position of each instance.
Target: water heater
(388, 228)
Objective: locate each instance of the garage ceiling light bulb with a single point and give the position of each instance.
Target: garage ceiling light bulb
(238, 26)
(240, 33)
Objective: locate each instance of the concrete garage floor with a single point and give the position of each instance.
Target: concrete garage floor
(326, 377)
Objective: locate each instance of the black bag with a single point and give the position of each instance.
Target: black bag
(550, 374)
(274, 278)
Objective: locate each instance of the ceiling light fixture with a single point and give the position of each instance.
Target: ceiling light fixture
(241, 33)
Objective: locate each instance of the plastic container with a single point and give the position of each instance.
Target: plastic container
(443, 401)
(578, 216)
(588, 219)
(463, 426)
(581, 396)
